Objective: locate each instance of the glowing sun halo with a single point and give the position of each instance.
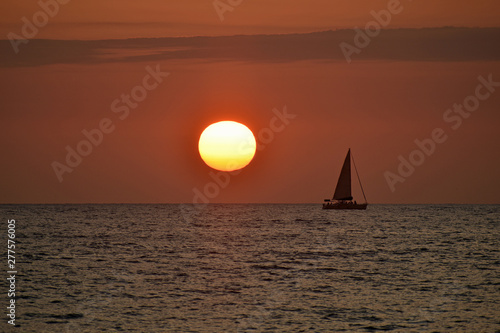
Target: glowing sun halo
(227, 146)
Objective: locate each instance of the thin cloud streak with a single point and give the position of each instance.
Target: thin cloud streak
(426, 44)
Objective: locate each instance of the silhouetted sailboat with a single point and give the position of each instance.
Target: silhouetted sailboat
(342, 198)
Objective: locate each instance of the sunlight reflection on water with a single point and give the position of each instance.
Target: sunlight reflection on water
(242, 268)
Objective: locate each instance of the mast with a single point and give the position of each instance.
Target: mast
(359, 180)
(343, 189)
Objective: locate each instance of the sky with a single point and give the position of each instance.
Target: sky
(393, 95)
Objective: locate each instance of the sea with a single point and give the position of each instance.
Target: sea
(251, 268)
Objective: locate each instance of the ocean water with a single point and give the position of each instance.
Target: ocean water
(254, 268)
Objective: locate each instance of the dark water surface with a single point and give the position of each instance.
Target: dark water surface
(254, 268)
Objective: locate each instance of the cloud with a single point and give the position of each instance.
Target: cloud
(427, 44)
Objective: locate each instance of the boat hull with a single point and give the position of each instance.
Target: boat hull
(341, 205)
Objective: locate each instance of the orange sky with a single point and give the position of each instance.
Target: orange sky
(97, 19)
(395, 91)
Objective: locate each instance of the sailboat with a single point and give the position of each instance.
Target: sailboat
(342, 198)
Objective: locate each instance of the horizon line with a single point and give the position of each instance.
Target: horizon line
(229, 203)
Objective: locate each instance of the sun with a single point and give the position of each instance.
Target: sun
(227, 146)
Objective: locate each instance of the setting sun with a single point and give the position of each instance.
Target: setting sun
(227, 146)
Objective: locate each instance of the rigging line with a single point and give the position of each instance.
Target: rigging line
(359, 180)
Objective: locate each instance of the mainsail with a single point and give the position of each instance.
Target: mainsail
(343, 189)
(342, 199)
